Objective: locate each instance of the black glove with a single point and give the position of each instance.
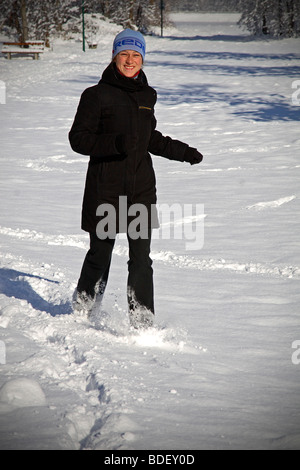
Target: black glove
(126, 143)
(192, 156)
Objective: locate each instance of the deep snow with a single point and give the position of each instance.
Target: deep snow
(220, 370)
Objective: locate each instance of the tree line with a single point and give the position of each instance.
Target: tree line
(43, 18)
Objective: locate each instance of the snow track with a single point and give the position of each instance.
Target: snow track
(70, 352)
(272, 204)
(167, 257)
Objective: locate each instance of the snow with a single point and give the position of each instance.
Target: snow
(217, 370)
(21, 393)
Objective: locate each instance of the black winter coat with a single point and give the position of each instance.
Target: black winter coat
(115, 125)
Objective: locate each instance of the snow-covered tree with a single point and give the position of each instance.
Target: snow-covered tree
(43, 16)
(130, 13)
(51, 16)
(278, 18)
(11, 17)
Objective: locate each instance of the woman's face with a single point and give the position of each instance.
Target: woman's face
(129, 63)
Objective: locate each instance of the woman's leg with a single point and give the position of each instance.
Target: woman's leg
(95, 271)
(140, 282)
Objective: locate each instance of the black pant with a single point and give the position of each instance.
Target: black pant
(96, 266)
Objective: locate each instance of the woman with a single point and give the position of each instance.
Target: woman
(116, 127)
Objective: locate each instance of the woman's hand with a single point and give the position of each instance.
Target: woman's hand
(192, 156)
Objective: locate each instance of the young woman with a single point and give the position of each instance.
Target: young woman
(115, 125)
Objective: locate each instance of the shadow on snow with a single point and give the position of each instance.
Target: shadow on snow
(14, 284)
(271, 107)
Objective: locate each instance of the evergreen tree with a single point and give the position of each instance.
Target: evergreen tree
(278, 18)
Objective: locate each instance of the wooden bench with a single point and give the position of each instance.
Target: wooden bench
(28, 47)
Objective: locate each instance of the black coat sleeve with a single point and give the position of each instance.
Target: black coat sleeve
(85, 135)
(165, 146)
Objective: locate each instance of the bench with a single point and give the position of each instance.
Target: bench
(92, 45)
(28, 47)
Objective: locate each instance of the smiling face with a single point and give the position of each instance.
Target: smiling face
(129, 63)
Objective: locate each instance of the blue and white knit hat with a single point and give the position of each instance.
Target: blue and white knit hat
(129, 40)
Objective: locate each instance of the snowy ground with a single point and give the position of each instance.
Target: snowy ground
(220, 370)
